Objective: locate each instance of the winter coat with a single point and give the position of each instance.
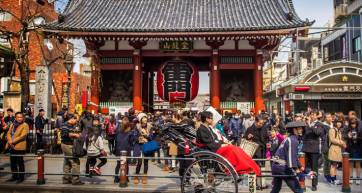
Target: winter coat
(144, 133)
(336, 144)
(207, 138)
(236, 127)
(354, 146)
(260, 136)
(18, 136)
(123, 142)
(314, 137)
(95, 146)
(40, 123)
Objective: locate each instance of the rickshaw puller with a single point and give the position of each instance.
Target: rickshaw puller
(288, 162)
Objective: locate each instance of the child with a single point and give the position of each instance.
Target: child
(95, 150)
(275, 139)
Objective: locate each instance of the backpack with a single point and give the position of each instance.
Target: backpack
(110, 129)
(78, 148)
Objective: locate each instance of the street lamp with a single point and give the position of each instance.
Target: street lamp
(68, 63)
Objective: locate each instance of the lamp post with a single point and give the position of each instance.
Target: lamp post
(69, 67)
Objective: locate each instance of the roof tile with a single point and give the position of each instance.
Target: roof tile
(177, 15)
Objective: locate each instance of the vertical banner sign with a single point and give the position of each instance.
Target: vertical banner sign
(65, 94)
(252, 183)
(43, 89)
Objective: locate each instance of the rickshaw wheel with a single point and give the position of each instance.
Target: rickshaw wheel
(209, 175)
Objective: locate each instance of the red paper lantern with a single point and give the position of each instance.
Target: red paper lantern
(177, 81)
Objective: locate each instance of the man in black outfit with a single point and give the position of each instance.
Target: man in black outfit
(258, 133)
(40, 122)
(313, 143)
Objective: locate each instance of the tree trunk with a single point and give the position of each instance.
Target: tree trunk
(25, 87)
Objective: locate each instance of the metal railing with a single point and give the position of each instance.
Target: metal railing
(123, 173)
(346, 187)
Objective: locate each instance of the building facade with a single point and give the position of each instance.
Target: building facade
(42, 50)
(130, 40)
(327, 74)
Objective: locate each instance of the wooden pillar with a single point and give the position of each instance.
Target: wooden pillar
(92, 48)
(95, 85)
(215, 74)
(137, 74)
(258, 82)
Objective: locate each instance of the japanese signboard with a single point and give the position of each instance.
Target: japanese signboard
(176, 45)
(344, 88)
(244, 107)
(43, 89)
(342, 96)
(65, 97)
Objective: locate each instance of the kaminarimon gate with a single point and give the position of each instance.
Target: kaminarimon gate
(130, 40)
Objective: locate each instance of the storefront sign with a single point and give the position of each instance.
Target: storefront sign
(176, 45)
(343, 89)
(338, 88)
(342, 96)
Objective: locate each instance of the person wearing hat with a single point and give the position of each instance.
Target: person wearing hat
(287, 162)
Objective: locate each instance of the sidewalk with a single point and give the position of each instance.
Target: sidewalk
(105, 183)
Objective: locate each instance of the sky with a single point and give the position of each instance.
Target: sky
(319, 10)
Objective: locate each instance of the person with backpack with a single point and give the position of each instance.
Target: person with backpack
(336, 146)
(71, 166)
(110, 125)
(95, 151)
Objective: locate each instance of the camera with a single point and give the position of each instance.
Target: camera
(354, 134)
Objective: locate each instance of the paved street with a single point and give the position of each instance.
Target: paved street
(98, 184)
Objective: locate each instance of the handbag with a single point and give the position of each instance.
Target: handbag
(249, 147)
(78, 150)
(150, 147)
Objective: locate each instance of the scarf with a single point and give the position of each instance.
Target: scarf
(15, 126)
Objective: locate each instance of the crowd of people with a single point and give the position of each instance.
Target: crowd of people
(323, 138)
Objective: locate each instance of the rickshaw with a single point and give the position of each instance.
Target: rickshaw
(208, 172)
